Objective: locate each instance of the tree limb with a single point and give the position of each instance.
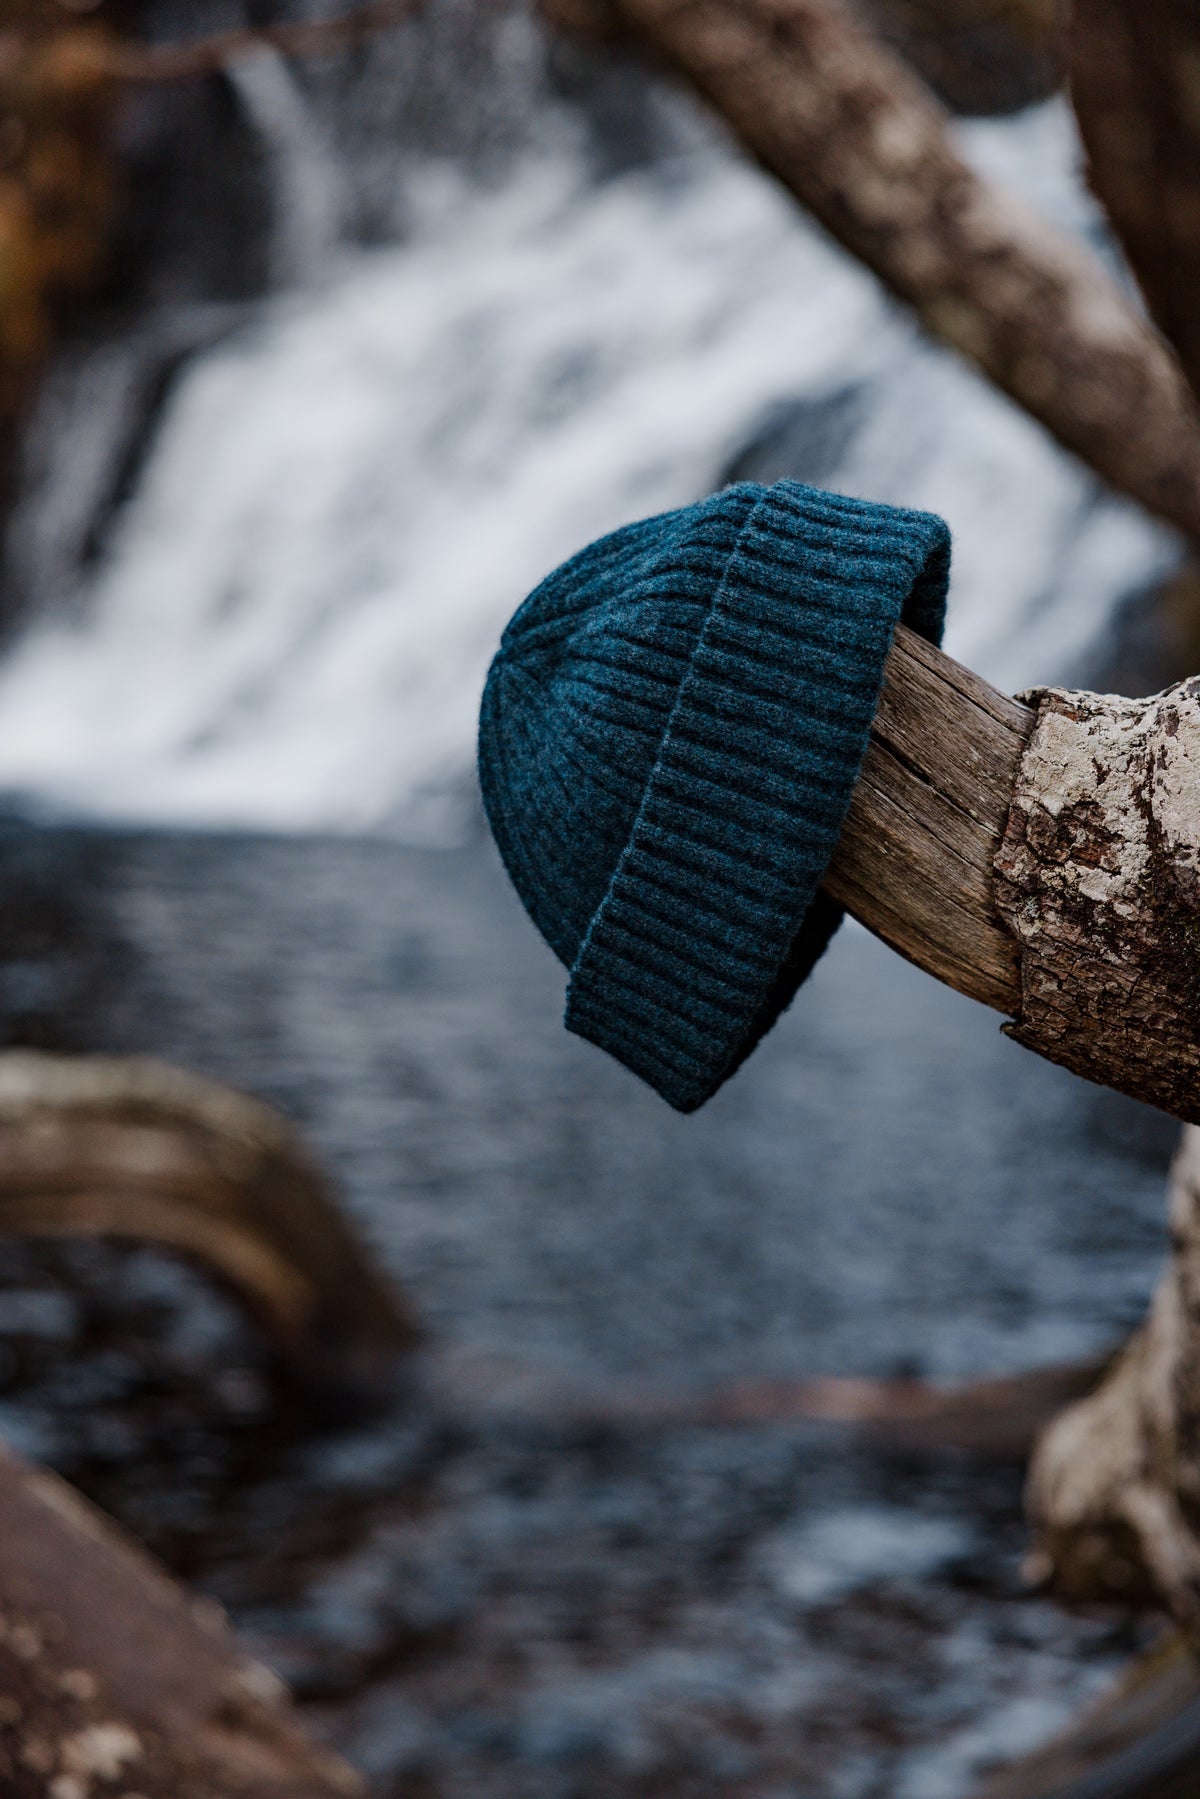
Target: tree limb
(851, 133)
(1115, 1483)
(914, 862)
(1045, 863)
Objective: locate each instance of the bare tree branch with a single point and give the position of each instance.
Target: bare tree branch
(1045, 863)
(927, 819)
(850, 131)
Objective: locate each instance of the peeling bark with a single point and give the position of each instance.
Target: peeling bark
(1046, 863)
(1098, 879)
(848, 128)
(114, 1681)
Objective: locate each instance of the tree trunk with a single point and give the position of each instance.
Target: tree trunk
(57, 181)
(1135, 80)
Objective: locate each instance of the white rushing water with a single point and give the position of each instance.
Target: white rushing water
(291, 623)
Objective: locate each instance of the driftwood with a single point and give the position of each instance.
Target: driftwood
(136, 1149)
(998, 1418)
(114, 1681)
(848, 128)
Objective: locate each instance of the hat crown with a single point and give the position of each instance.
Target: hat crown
(670, 735)
(591, 664)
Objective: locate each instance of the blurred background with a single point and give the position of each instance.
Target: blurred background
(347, 349)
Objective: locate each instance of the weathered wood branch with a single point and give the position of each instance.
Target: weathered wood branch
(1046, 863)
(927, 819)
(113, 1679)
(848, 128)
(135, 1149)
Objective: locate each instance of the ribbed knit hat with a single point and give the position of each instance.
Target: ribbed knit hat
(670, 735)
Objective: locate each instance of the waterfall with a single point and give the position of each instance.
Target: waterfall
(345, 497)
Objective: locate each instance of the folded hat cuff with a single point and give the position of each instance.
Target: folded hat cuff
(712, 917)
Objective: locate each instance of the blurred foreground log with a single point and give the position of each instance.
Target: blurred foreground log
(113, 1680)
(136, 1149)
(851, 132)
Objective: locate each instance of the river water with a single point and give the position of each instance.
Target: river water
(269, 535)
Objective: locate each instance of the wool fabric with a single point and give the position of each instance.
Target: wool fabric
(670, 734)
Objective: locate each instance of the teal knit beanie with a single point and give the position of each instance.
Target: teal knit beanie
(670, 735)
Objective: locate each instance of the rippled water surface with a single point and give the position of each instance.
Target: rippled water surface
(537, 1571)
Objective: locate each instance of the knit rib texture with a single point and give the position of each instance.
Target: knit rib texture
(670, 734)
